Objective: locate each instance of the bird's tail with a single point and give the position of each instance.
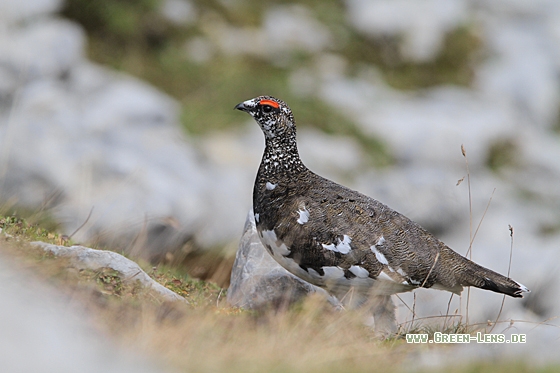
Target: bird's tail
(476, 275)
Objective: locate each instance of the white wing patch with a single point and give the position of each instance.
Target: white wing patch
(257, 216)
(379, 256)
(303, 216)
(330, 247)
(359, 271)
(343, 246)
(383, 276)
(270, 186)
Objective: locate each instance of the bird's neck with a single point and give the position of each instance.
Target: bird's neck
(281, 157)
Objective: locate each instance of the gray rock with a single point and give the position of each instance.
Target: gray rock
(14, 11)
(422, 36)
(76, 137)
(87, 258)
(530, 94)
(286, 28)
(45, 48)
(290, 28)
(428, 127)
(108, 142)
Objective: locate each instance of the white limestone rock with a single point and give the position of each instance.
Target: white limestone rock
(293, 27)
(423, 25)
(87, 258)
(47, 48)
(14, 11)
(286, 29)
(426, 127)
(522, 74)
(109, 142)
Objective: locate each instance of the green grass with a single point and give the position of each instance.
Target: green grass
(37, 228)
(503, 153)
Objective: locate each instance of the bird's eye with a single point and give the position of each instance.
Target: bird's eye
(267, 109)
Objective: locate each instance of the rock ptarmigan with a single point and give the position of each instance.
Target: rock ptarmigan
(343, 241)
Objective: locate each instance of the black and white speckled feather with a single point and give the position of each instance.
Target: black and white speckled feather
(339, 239)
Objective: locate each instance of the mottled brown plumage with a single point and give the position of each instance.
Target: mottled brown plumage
(342, 240)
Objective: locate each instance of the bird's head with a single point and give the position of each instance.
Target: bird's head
(273, 115)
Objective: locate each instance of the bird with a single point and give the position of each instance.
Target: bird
(353, 246)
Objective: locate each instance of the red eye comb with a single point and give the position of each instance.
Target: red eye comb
(274, 104)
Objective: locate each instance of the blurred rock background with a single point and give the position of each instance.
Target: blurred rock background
(123, 111)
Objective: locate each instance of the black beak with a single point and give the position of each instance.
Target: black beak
(241, 107)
